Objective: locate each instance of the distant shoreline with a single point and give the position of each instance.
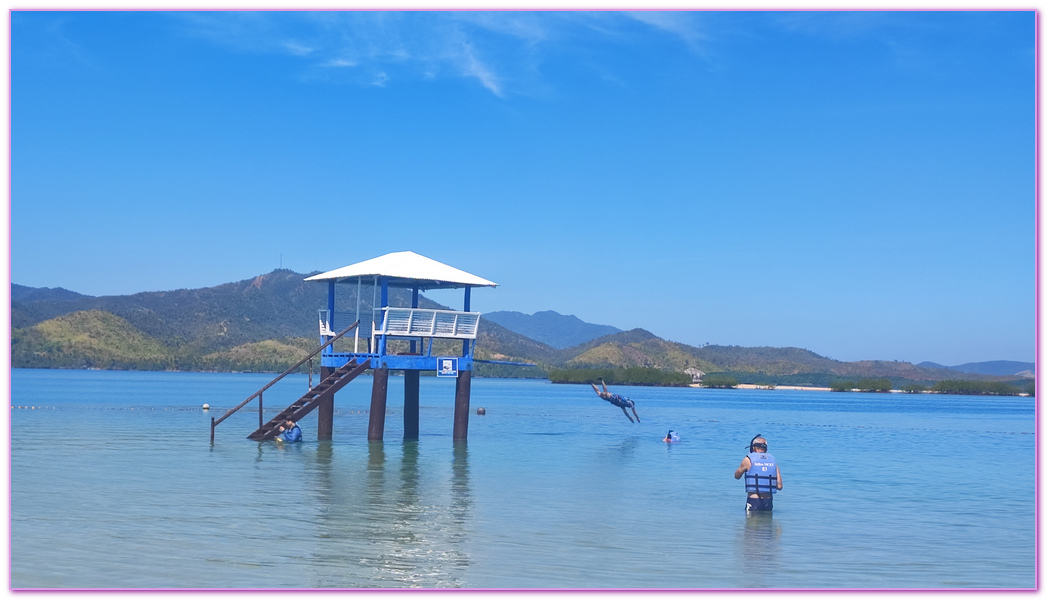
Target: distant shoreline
(753, 386)
(804, 388)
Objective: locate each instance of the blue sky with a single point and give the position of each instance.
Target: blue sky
(860, 184)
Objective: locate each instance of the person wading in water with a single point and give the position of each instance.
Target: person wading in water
(762, 477)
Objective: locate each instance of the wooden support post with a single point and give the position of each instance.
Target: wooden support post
(325, 412)
(411, 387)
(379, 391)
(461, 405)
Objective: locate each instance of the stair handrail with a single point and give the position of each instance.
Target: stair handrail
(214, 422)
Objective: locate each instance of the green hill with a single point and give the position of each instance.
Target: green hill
(88, 339)
(265, 356)
(268, 322)
(263, 323)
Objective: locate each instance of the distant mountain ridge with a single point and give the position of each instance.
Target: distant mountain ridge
(21, 293)
(264, 323)
(992, 367)
(268, 322)
(550, 327)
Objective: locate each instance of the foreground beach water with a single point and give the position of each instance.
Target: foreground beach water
(115, 485)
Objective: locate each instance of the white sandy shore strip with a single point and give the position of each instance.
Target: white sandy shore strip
(750, 386)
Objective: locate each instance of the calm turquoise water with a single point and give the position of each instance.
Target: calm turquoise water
(114, 483)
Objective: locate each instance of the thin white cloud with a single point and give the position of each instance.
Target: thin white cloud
(340, 63)
(297, 49)
(528, 27)
(472, 66)
(678, 23)
(501, 51)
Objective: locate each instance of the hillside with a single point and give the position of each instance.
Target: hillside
(268, 322)
(640, 348)
(263, 323)
(992, 367)
(88, 339)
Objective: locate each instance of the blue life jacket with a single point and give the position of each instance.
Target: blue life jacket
(762, 476)
(293, 434)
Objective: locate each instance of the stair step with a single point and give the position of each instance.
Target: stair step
(310, 400)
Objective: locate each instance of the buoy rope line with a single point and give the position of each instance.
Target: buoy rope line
(158, 409)
(935, 429)
(364, 412)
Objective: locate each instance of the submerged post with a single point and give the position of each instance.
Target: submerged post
(379, 392)
(325, 411)
(461, 405)
(411, 393)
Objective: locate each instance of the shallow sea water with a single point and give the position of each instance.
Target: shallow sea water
(115, 484)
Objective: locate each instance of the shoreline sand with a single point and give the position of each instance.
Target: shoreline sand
(804, 388)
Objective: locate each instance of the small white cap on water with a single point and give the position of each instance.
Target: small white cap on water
(207, 407)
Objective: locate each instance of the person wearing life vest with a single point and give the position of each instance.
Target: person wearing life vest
(762, 477)
(289, 432)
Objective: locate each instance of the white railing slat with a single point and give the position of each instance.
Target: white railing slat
(425, 322)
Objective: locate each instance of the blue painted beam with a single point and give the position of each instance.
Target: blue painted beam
(395, 361)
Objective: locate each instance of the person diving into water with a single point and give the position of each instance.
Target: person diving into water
(615, 399)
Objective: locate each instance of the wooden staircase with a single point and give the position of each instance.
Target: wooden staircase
(307, 403)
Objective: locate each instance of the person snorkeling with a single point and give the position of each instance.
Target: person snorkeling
(616, 400)
(671, 437)
(762, 477)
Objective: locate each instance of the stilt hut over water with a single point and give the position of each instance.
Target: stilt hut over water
(415, 327)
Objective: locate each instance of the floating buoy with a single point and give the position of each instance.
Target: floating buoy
(207, 407)
(481, 411)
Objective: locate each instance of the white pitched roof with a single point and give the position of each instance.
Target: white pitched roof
(407, 270)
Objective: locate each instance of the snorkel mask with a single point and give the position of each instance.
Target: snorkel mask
(752, 447)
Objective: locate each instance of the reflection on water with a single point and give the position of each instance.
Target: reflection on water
(760, 545)
(461, 498)
(578, 498)
(389, 522)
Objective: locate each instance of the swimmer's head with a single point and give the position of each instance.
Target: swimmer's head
(758, 444)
